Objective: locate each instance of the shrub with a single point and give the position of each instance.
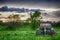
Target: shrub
(3, 28)
(57, 24)
(1, 23)
(13, 25)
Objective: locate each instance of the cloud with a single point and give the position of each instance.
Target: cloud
(53, 14)
(33, 3)
(57, 14)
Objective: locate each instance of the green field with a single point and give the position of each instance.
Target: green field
(26, 33)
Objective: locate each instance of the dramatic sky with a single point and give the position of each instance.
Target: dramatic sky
(52, 7)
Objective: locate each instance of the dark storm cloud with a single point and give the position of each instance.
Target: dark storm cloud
(44, 3)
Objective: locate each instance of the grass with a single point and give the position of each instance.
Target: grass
(26, 33)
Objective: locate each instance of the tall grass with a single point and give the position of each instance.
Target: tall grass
(25, 33)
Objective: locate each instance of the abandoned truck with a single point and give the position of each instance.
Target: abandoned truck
(45, 29)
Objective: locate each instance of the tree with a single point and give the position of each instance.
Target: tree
(16, 17)
(10, 17)
(14, 21)
(35, 19)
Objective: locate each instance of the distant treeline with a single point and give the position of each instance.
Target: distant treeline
(13, 25)
(56, 24)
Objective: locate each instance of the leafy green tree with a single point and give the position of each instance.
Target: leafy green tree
(35, 19)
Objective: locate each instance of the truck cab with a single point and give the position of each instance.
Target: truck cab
(45, 29)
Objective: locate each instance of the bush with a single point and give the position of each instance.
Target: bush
(57, 24)
(9, 25)
(1, 23)
(3, 28)
(13, 25)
